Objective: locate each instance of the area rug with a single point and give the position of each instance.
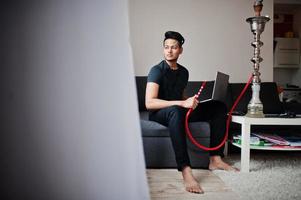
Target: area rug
(273, 175)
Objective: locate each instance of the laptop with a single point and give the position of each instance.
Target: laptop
(219, 91)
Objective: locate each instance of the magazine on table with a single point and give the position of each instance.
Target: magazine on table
(266, 139)
(254, 141)
(276, 139)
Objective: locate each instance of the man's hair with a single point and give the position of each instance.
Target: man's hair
(174, 35)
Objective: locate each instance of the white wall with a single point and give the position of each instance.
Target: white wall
(217, 36)
(69, 113)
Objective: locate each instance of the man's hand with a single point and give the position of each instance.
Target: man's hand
(191, 102)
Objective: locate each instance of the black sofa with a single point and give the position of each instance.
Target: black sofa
(156, 141)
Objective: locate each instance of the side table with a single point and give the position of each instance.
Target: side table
(246, 123)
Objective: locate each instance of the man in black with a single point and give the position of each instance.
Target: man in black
(167, 104)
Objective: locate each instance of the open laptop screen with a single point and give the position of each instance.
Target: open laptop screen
(220, 88)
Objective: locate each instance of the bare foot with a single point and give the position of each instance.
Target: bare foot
(191, 185)
(216, 162)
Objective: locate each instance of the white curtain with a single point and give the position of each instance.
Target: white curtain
(70, 116)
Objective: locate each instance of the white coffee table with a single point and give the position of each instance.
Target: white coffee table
(246, 123)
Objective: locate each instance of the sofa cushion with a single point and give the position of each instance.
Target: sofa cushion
(268, 96)
(236, 89)
(193, 87)
(141, 86)
(151, 128)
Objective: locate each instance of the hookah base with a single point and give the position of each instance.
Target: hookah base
(255, 112)
(255, 115)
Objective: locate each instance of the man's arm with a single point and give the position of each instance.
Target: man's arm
(153, 102)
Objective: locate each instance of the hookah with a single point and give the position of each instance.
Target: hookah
(257, 24)
(255, 107)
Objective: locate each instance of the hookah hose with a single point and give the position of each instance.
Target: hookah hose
(228, 119)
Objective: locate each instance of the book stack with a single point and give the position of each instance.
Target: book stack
(266, 139)
(254, 141)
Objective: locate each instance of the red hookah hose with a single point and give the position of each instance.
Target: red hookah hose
(228, 119)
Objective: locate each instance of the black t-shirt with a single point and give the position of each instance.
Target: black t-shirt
(171, 82)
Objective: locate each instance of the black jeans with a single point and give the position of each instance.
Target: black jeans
(173, 117)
